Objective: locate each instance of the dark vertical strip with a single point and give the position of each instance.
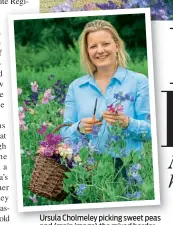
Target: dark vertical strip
(170, 119)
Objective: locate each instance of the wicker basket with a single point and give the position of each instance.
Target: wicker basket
(47, 177)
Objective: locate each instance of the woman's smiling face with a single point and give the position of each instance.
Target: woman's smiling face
(102, 49)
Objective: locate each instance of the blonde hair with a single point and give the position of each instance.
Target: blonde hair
(96, 25)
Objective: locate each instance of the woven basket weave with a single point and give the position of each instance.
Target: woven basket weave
(47, 177)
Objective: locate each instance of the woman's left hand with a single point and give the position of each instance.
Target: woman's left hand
(112, 118)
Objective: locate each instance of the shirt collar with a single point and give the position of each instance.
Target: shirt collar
(86, 79)
(119, 75)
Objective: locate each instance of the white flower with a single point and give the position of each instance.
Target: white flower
(20, 108)
(22, 151)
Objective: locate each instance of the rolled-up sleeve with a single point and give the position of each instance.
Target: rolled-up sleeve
(139, 127)
(70, 116)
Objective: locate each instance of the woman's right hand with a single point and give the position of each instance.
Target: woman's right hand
(86, 125)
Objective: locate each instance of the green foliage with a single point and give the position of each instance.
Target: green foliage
(100, 182)
(64, 30)
(49, 55)
(83, 154)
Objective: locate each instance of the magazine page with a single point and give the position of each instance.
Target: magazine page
(86, 115)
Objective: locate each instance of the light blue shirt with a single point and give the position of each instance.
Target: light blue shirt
(131, 86)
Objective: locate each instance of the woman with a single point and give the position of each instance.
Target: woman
(122, 95)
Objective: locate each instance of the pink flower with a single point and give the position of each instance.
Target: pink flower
(45, 100)
(34, 86)
(47, 96)
(21, 122)
(23, 127)
(19, 91)
(56, 150)
(21, 115)
(24, 108)
(21, 119)
(111, 108)
(43, 129)
(53, 139)
(118, 108)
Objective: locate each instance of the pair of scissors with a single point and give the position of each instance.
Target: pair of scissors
(94, 113)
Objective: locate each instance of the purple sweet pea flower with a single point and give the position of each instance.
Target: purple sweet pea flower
(43, 129)
(43, 143)
(53, 139)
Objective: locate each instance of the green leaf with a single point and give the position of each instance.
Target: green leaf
(67, 181)
(70, 176)
(83, 154)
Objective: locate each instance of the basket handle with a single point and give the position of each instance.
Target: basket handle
(60, 126)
